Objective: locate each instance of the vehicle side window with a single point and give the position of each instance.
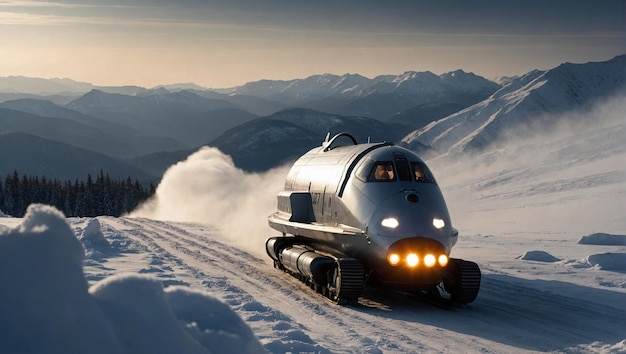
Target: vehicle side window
(363, 171)
(421, 172)
(382, 171)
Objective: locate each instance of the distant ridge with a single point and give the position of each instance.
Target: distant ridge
(270, 141)
(35, 156)
(348, 94)
(380, 98)
(185, 116)
(23, 84)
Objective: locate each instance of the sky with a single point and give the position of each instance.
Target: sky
(224, 43)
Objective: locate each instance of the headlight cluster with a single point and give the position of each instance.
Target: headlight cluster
(413, 259)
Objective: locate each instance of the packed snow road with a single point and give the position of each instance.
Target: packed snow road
(509, 315)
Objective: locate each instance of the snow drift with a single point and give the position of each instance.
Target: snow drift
(51, 308)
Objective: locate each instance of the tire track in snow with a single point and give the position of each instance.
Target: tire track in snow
(171, 245)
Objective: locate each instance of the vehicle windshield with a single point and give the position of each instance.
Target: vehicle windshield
(387, 171)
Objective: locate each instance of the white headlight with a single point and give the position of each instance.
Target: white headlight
(391, 223)
(438, 223)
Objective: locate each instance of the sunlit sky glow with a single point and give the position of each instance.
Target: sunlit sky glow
(223, 43)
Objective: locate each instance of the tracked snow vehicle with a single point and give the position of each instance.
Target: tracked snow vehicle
(355, 215)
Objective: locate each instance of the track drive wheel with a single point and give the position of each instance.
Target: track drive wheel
(462, 280)
(346, 281)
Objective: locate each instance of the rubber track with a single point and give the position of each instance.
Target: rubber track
(352, 278)
(469, 273)
(352, 281)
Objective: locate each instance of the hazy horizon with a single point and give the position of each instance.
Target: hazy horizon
(222, 43)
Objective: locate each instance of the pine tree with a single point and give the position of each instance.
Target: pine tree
(11, 187)
(102, 197)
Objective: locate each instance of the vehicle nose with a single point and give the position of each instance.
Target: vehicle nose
(410, 213)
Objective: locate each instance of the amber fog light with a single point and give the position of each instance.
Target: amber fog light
(393, 259)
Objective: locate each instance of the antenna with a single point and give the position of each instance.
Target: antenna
(326, 140)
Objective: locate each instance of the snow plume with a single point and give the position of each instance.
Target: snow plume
(545, 127)
(208, 188)
(571, 177)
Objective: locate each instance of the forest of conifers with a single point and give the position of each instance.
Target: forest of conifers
(102, 196)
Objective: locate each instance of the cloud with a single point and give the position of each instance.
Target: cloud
(42, 4)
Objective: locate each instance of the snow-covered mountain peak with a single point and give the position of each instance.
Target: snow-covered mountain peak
(456, 73)
(415, 76)
(525, 101)
(469, 82)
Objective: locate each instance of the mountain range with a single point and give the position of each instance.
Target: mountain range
(531, 102)
(139, 132)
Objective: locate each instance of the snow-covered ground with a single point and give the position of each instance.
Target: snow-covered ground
(544, 218)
